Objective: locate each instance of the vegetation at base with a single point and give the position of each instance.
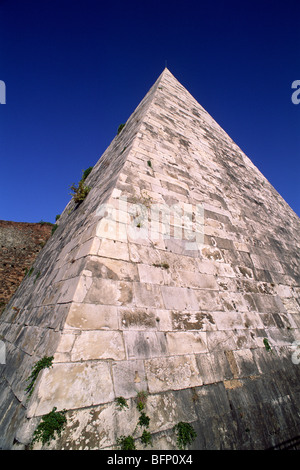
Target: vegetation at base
(43, 363)
(126, 443)
(185, 434)
(184, 431)
(146, 438)
(50, 425)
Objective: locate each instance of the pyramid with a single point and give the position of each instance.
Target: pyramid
(171, 290)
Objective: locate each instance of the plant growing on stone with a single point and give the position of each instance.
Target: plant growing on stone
(43, 363)
(86, 172)
(144, 420)
(146, 438)
(126, 443)
(81, 191)
(29, 272)
(185, 434)
(121, 126)
(161, 265)
(54, 228)
(50, 425)
(121, 402)
(267, 345)
(141, 400)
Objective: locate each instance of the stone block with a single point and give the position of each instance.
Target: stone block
(70, 270)
(90, 247)
(291, 305)
(244, 272)
(220, 340)
(251, 338)
(143, 254)
(147, 295)
(245, 363)
(208, 267)
(70, 386)
(283, 291)
(98, 344)
(179, 298)
(141, 344)
(172, 373)
(190, 279)
(212, 402)
(186, 342)
(262, 262)
(111, 269)
(92, 316)
(280, 337)
(192, 321)
(228, 320)
(74, 289)
(129, 378)
(208, 300)
(113, 249)
(268, 303)
(213, 367)
(169, 408)
(109, 292)
(137, 318)
(151, 274)
(225, 270)
(236, 302)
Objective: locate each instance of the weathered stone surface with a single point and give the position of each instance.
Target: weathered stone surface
(186, 342)
(172, 373)
(203, 314)
(129, 378)
(69, 386)
(142, 345)
(92, 317)
(98, 344)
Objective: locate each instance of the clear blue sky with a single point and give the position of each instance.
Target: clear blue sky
(75, 69)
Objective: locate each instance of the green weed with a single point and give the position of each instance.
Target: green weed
(185, 434)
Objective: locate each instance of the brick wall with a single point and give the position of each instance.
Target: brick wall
(20, 243)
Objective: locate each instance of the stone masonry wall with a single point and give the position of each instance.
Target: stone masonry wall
(20, 244)
(123, 314)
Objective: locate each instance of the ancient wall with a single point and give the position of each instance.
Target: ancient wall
(20, 244)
